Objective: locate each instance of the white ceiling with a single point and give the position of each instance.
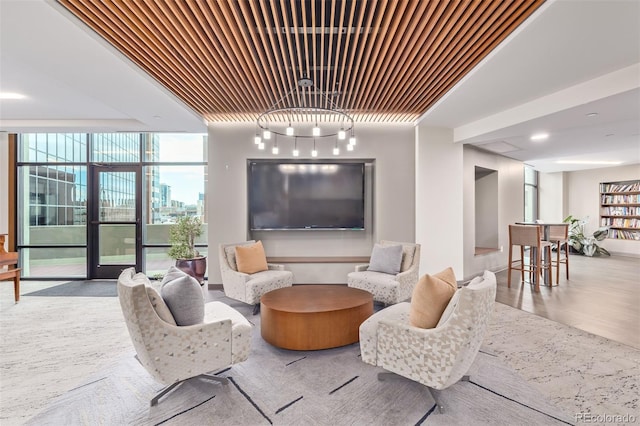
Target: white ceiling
(569, 59)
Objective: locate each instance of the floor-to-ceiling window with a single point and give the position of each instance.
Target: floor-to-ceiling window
(64, 180)
(175, 179)
(530, 194)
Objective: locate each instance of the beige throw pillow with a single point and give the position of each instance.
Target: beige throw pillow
(251, 258)
(430, 298)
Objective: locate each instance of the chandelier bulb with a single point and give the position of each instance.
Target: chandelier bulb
(275, 150)
(296, 152)
(349, 147)
(289, 130)
(316, 130)
(342, 134)
(261, 145)
(266, 134)
(336, 151)
(257, 139)
(352, 140)
(314, 153)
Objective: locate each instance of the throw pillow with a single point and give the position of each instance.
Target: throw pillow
(408, 251)
(251, 258)
(387, 259)
(159, 306)
(430, 298)
(230, 252)
(183, 295)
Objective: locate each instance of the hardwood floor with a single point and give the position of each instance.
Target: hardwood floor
(602, 297)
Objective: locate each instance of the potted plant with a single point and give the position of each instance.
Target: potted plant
(182, 237)
(583, 244)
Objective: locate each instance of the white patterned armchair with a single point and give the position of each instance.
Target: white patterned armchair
(436, 357)
(248, 288)
(386, 288)
(171, 353)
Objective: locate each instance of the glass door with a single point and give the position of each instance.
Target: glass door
(115, 226)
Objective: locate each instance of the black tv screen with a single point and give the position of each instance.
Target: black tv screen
(305, 195)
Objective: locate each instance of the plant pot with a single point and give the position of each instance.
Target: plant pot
(195, 267)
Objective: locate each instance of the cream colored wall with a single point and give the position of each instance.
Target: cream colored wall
(583, 195)
(510, 207)
(393, 216)
(439, 202)
(4, 176)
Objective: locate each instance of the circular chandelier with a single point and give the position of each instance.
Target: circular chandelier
(305, 112)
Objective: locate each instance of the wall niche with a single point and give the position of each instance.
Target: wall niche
(486, 211)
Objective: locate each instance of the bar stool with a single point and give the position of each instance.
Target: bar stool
(529, 236)
(559, 236)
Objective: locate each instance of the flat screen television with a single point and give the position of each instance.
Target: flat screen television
(297, 195)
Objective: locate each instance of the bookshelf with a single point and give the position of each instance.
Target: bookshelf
(620, 209)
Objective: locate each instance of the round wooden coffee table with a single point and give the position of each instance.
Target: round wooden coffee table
(309, 317)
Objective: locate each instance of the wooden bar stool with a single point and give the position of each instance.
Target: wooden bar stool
(559, 236)
(529, 236)
(8, 271)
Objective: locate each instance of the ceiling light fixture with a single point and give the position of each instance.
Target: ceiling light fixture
(11, 95)
(539, 136)
(589, 162)
(295, 152)
(305, 112)
(592, 114)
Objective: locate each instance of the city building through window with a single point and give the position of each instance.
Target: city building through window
(89, 204)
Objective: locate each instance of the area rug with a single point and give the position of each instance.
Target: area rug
(85, 288)
(282, 387)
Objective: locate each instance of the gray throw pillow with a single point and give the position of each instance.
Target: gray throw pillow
(159, 305)
(183, 295)
(387, 259)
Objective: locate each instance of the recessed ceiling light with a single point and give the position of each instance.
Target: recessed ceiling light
(157, 117)
(10, 95)
(592, 114)
(606, 163)
(539, 136)
(609, 134)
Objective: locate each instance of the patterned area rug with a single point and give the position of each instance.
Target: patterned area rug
(282, 387)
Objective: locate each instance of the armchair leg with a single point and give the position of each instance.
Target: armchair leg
(435, 393)
(222, 380)
(163, 392)
(385, 375)
(256, 309)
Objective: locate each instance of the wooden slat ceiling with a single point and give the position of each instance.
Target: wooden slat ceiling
(379, 60)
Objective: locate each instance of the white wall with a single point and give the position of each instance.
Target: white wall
(4, 184)
(393, 217)
(510, 207)
(439, 202)
(583, 194)
(551, 199)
